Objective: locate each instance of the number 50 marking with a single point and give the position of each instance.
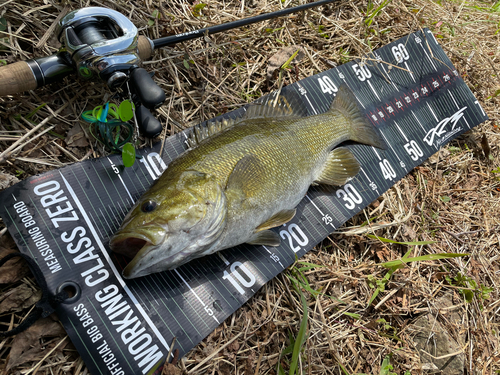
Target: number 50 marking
(413, 150)
(362, 72)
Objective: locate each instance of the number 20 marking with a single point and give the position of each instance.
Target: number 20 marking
(294, 232)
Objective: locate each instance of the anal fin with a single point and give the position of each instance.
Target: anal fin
(280, 218)
(340, 166)
(265, 237)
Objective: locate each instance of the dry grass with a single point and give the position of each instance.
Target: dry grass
(452, 199)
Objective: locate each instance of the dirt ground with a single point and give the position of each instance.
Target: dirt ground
(431, 316)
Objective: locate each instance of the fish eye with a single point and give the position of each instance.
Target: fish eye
(148, 206)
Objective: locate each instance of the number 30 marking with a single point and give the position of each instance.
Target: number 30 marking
(350, 196)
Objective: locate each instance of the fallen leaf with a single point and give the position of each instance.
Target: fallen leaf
(76, 137)
(15, 269)
(170, 369)
(19, 298)
(27, 347)
(7, 180)
(277, 60)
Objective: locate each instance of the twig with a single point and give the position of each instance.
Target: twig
(4, 155)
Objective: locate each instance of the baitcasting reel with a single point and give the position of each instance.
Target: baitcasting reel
(103, 44)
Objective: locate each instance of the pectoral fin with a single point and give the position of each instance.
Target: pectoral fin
(280, 218)
(266, 237)
(339, 167)
(247, 176)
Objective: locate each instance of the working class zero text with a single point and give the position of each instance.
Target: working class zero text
(87, 253)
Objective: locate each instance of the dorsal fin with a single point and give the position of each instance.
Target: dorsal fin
(199, 132)
(289, 104)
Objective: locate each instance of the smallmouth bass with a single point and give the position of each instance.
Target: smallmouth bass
(239, 179)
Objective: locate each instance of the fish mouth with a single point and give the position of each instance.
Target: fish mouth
(151, 259)
(128, 245)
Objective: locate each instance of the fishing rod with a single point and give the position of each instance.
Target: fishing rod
(102, 44)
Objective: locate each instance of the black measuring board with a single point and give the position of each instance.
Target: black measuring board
(64, 218)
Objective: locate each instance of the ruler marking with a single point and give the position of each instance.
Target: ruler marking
(369, 180)
(390, 145)
(426, 54)
(369, 84)
(432, 112)
(195, 294)
(226, 262)
(404, 135)
(418, 121)
(409, 71)
(467, 122)
(270, 252)
(123, 182)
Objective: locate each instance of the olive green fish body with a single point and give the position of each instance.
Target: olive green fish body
(235, 184)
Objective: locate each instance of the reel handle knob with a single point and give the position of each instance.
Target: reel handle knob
(148, 124)
(149, 93)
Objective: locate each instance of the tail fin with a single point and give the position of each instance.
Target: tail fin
(360, 128)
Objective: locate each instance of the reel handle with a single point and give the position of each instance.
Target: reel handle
(148, 92)
(148, 124)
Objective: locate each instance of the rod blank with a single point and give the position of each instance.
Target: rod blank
(169, 40)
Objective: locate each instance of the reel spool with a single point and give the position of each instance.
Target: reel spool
(103, 44)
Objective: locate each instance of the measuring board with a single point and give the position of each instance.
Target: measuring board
(64, 218)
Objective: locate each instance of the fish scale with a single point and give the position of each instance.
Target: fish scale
(411, 108)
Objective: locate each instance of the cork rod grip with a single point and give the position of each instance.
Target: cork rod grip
(15, 78)
(145, 49)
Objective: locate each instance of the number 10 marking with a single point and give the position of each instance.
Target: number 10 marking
(153, 163)
(247, 282)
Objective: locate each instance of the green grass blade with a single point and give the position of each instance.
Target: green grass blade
(400, 262)
(375, 13)
(374, 295)
(344, 370)
(301, 337)
(352, 315)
